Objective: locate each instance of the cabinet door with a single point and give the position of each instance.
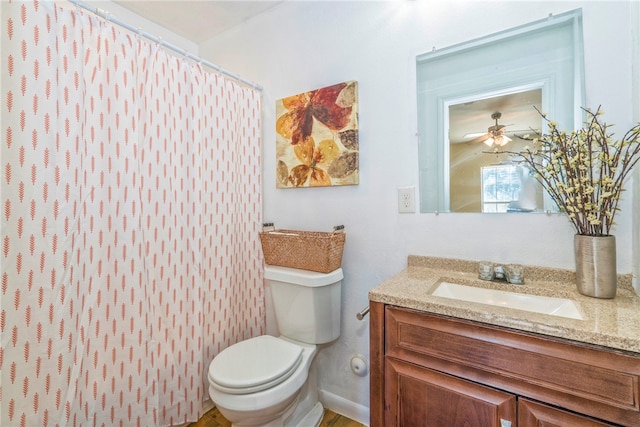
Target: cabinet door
(417, 396)
(532, 414)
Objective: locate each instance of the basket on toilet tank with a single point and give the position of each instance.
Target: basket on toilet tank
(307, 250)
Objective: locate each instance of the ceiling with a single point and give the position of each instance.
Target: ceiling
(198, 20)
(517, 110)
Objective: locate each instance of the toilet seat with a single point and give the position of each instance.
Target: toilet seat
(254, 365)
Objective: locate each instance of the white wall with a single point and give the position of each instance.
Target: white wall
(300, 46)
(118, 12)
(636, 114)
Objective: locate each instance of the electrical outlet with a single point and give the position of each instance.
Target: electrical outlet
(406, 199)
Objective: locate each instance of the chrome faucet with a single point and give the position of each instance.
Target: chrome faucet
(499, 273)
(511, 273)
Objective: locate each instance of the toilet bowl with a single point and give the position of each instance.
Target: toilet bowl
(263, 381)
(271, 398)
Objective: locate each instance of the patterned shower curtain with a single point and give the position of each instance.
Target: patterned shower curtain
(130, 215)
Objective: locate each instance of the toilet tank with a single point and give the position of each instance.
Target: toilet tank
(306, 303)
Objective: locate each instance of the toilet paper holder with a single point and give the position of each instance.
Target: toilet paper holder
(363, 313)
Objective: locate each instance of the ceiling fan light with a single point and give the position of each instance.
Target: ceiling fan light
(502, 140)
(488, 142)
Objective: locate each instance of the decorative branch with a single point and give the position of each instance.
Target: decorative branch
(583, 171)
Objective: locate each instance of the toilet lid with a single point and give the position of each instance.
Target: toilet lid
(254, 365)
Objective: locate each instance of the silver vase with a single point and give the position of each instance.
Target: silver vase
(596, 274)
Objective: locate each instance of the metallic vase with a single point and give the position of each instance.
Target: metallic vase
(596, 274)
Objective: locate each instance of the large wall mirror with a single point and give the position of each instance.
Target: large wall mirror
(483, 96)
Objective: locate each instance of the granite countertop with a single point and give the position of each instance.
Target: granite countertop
(612, 323)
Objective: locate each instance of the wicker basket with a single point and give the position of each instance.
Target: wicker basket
(306, 250)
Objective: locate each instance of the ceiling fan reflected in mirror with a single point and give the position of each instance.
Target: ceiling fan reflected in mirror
(495, 134)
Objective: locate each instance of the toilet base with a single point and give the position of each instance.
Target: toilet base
(302, 410)
(274, 418)
(310, 419)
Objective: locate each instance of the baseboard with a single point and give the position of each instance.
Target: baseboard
(345, 407)
(208, 405)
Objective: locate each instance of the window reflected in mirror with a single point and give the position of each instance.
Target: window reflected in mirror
(509, 188)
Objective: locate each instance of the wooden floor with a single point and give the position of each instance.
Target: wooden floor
(213, 418)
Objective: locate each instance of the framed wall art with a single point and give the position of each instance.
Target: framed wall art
(317, 137)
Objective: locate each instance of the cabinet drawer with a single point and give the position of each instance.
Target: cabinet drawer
(533, 414)
(584, 379)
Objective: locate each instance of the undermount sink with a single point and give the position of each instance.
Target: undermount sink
(535, 303)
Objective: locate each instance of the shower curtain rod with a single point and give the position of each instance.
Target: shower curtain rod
(107, 16)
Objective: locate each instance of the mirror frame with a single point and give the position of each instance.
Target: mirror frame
(438, 87)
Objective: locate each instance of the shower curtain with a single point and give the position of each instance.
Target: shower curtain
(130, 215)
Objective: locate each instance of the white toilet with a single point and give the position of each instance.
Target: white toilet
(263, 381)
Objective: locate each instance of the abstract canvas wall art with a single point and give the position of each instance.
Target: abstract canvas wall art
(317, 137)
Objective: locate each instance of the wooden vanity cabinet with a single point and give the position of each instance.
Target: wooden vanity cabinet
(432, 370)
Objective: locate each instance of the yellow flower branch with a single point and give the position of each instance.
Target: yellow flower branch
(583, 171)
